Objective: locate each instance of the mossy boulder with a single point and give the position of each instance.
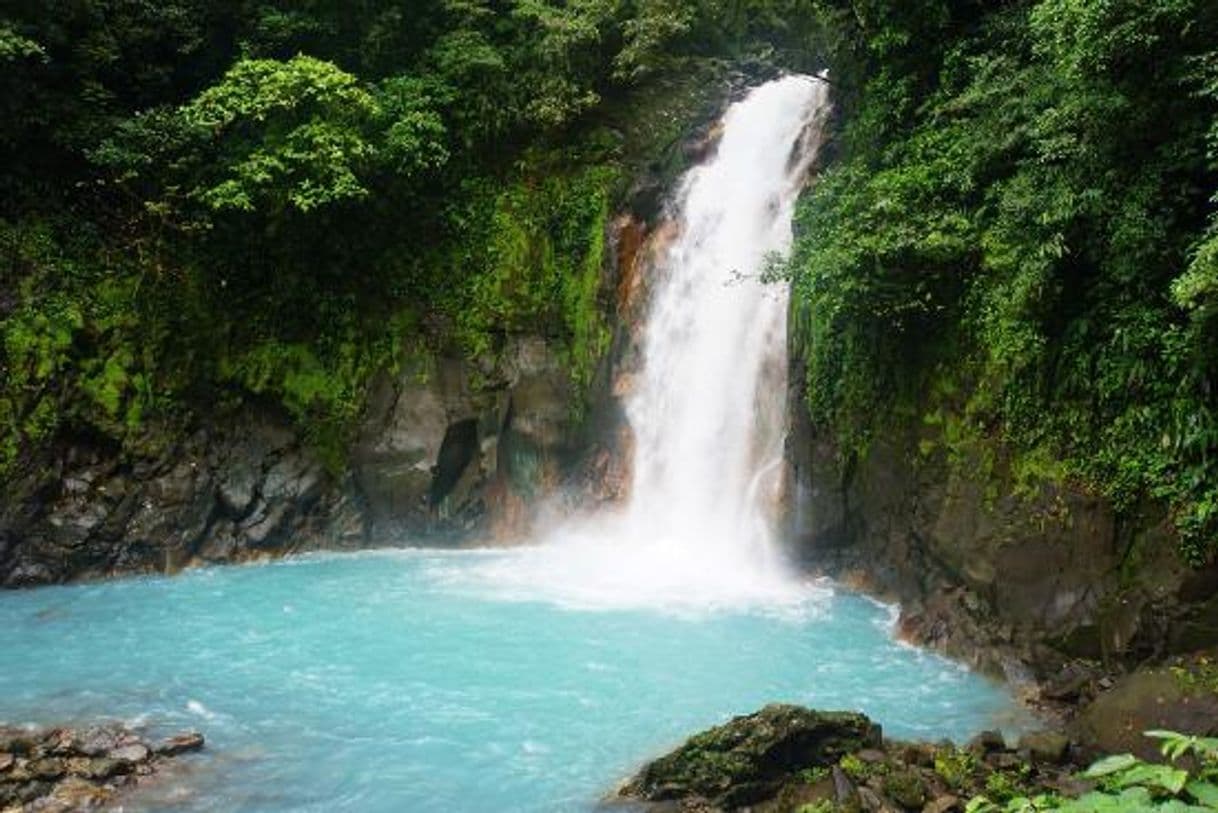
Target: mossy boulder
(749, 758)
(1183, 698)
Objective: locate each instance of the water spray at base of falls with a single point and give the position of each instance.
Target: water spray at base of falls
(708, 411)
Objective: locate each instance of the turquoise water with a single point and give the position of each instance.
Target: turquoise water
(387, 682)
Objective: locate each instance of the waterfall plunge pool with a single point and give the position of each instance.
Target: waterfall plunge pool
(398, 681)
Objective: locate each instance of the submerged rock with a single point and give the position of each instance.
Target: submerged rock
(749, 758)
(180, 744)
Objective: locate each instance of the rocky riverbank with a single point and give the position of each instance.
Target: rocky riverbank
(786, 758)
(1020, 581)
(789, 759)
(56, 770)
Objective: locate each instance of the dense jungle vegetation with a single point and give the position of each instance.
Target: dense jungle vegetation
(1017, 247)
(203, 202)
(1014, 244)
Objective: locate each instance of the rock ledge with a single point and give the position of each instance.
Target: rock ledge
(56, 770)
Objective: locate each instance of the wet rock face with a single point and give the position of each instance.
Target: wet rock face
(450, 447)
(59, 770)
(1018, 583)
(749, 758)
(240, 488)
(447, 450)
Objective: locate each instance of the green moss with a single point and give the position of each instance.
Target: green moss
(71, 349)
(535, 258)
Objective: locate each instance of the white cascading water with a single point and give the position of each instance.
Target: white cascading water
(708, 409)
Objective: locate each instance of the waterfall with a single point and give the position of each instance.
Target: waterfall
(709, 412)
(708, 407)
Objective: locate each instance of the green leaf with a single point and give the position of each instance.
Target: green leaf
(1162, 776)
(1204, 792)
(1110, 765)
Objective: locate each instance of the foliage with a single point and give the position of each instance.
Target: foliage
(306, 150)
(817, 773)
(71, 344)
(1017, 239)
(855, 768)
(208, 203)
(955, 766)
(1125, 783)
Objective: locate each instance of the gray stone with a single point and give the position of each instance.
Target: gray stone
(136, 752)
(874, 802)
(48, 768)
(96, 742)
(237, 487)
(845, 793)
(99, 768)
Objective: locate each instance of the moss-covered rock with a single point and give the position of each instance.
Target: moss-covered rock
(748, 758)
(1182, 697)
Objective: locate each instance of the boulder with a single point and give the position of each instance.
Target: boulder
(57, 770)
(47, 768)
(94, 767)
(1166, 698)
(845, 794)
(747, 759)
(1045, 746)
(987, 741)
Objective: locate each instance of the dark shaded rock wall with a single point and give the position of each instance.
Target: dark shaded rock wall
(448, 451)
(1019, 581)
(242, 489)
(451, 448)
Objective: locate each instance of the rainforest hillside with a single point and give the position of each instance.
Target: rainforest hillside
(203, 203)
(1016, 247)
(1012, 242)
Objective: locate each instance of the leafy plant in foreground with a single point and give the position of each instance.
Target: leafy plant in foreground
(1125, 784)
